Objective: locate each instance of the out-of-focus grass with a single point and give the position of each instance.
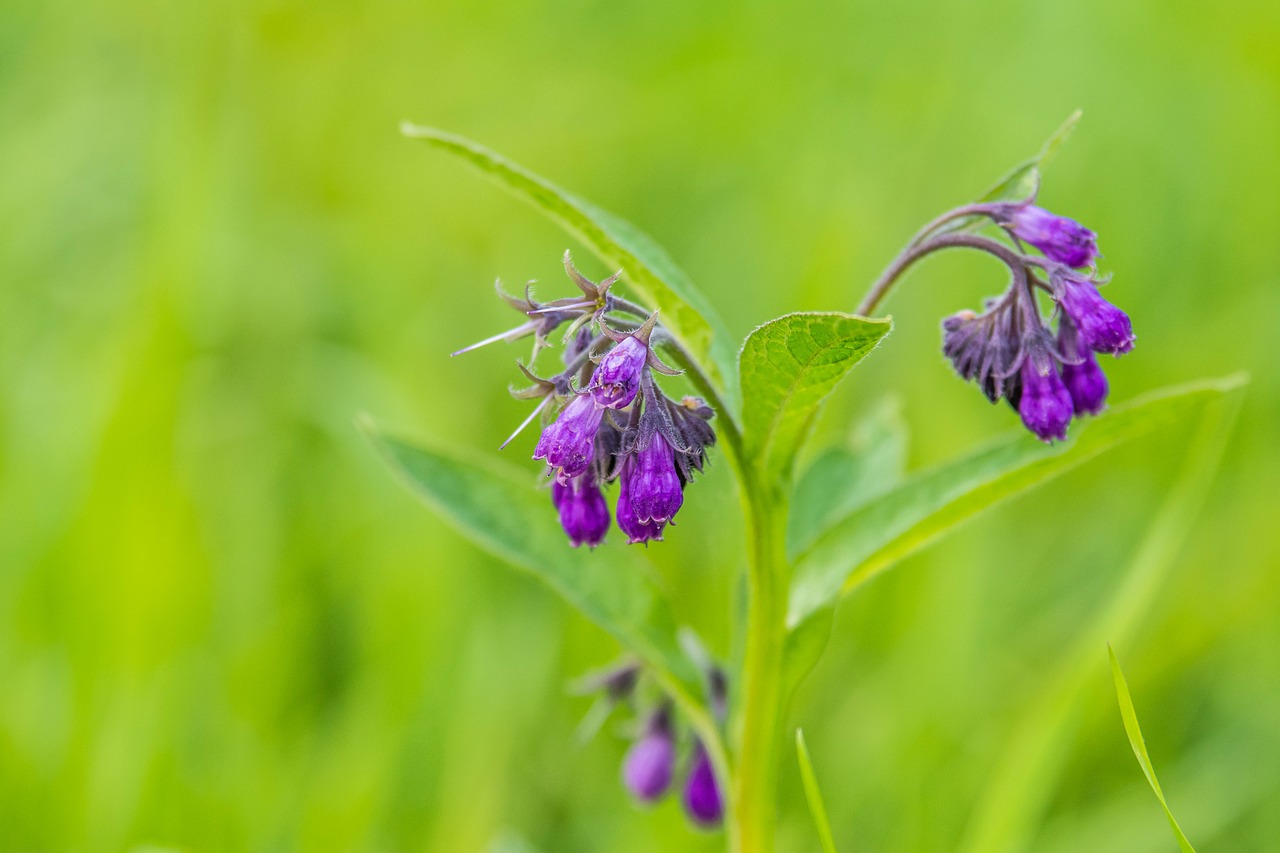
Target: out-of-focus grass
(222, 625)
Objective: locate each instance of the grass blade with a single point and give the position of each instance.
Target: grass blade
(813, 794)
(1131, 728)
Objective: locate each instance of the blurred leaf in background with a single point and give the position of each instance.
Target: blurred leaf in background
(223, 627)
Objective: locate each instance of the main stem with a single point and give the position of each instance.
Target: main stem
(755, 787)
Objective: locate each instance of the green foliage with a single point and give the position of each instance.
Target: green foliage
(928, 505)
(1037, 744)
(813, 794)
(1139, 744)
(645, 266)
(500, 510)
(845, 477)
(788, 366)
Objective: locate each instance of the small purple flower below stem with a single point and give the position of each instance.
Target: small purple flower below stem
(702, 799)
(650, 764)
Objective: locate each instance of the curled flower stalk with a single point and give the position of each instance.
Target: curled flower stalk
(1011, 350)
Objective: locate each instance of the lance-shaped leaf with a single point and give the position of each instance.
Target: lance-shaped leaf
(934, 502)
(497, 508)
(788, 366)
(813, 794)
(848, 476)
(654, 277)
(1023, 181)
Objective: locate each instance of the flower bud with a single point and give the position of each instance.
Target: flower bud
(567, 443)
(702, 800)
(1059, 238)
(584, 514)
(1044, 402)
(654, 486)
(1103, 327)
(1085, 380)
(617, 377)
(650, 763)
(629, 522)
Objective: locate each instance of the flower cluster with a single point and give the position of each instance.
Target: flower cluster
(614, 423)
(1010, 351)
(650, 767)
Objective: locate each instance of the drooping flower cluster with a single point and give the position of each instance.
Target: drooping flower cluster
(615, 423)
(1010, 351)
(650, 766)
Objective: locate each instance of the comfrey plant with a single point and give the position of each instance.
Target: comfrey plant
(618, 447)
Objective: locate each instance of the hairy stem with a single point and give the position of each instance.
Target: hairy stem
(916, 251)
(755, 787)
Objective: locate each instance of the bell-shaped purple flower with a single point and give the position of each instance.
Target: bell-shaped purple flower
(1103, 327)
(1084, 379)
(654, 486)
(629, 522)
(617, 377)
(567, 443)
(1061, 239)
(650, 764)
(584, 514)
(702, 799)
(1044, 402)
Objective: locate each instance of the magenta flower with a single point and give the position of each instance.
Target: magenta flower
(617, 378)
(584, 514)
(702, 799)
(1059, 238)
(1044, 402)
(650, 764)
(567, 444)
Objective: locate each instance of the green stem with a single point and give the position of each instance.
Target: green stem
(754, 789)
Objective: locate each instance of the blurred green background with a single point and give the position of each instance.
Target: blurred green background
(224, 626)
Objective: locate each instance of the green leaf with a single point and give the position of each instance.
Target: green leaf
(930, 504)
(1038, 743)
(846, 477)
(1023, 181)
(654, 277)
(813, 794)
(498, 508)
(788, 366)
(1139, 745)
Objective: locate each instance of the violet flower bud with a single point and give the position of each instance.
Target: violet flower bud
(650, 764)
(584, 514)
(617, 377)
(1061, 239)
(567, 443)
(1085, 380)
(702, 799)
(654, 486)
(629, 522)
(1044, 402)
(1103, 327)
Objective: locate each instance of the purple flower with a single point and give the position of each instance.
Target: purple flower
(1103, 327)
(654, 486)
(1061, 239)
(617, 377)
(702, 800)
(584, 515)
(1085, 380)
(567, 443)
(628, 521)
(1044, 402)
(650, 763)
